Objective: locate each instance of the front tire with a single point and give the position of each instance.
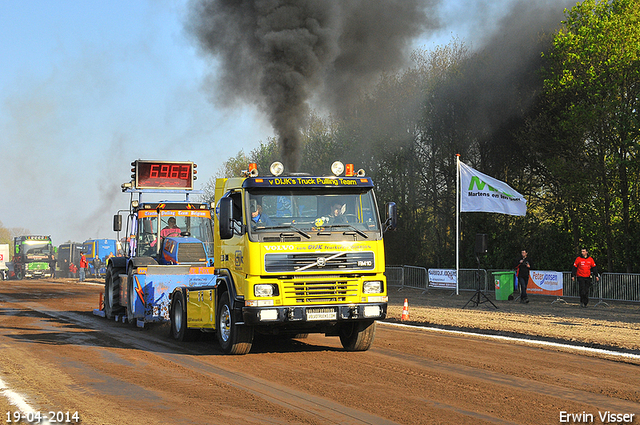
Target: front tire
(179, 330)
(233, 339)
(358, 336)
(112, 304)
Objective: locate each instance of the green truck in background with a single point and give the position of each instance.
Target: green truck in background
(33, 256)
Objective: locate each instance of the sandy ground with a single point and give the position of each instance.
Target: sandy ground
(61, 358)
(615, 325)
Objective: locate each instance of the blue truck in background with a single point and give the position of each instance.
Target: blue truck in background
(97, 251)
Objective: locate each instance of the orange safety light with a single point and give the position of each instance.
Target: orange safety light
(349, 172)
(253, 170)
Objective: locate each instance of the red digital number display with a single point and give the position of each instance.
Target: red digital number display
(164, 175)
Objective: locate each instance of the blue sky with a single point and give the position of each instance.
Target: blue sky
(85, 88)
(88, 86)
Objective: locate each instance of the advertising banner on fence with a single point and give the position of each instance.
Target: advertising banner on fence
(545, 283)
(442, 278)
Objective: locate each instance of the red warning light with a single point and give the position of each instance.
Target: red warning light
(349, 172)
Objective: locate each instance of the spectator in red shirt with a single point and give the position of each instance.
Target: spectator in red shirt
(583, 268)
(72, 270)
(83, 267)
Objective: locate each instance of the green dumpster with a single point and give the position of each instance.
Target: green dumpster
(504, 284)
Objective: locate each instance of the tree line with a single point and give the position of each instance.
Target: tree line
(556, 118)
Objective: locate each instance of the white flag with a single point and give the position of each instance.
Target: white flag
(481, 193)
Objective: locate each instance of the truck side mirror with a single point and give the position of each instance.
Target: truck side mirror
(225, 221)
(392, 216)
(117, 223)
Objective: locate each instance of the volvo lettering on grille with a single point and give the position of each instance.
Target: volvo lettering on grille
(300, 262)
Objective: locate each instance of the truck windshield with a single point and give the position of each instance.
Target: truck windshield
(37, 248)
(307, 213)
(173, 223)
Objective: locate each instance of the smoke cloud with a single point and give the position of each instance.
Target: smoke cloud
(502, 78)
(279, 54)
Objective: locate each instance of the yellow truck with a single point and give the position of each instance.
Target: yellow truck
(294, 254)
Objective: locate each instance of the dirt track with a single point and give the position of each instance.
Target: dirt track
(615, 325)
(62, 358)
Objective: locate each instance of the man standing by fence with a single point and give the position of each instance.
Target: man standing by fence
(523, 266)
(583, 268)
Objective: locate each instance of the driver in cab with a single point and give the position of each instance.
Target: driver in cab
(258, 218)
(337, 214)
(171, 229)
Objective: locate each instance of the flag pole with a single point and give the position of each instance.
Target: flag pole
(457, 222)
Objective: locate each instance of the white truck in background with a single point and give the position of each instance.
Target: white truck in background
(4, 259)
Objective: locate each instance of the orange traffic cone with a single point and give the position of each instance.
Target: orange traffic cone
(405, 311)
(101, 302)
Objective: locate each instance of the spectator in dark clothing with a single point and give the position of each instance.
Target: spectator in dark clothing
(523, 267)
(96, 267)
(583, 268)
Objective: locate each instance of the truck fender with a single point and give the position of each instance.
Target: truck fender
(225, 282)
(178, 289)
(142, 261)
(117, 263)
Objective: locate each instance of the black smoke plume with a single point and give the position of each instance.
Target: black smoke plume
(279, 54)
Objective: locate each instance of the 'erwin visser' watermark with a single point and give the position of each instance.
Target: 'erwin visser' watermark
(605, 417)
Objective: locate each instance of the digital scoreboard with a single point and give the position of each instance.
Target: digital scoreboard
(163, 174)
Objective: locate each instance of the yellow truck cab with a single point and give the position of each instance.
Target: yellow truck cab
(299, 254)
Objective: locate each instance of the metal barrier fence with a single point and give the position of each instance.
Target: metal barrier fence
(418, 277)
(619, 286)
(410, 276)
(611, 287)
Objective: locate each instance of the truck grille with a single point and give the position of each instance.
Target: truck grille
(279, 263)
(319, 292)
(191, 253)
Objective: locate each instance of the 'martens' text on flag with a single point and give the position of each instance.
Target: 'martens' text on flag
(481, 193)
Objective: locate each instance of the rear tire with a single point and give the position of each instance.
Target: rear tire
(178, 315)
(358, 336)
(112, 304)
(233, 339)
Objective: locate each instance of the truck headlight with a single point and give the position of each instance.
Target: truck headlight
(372, 287)
(263, 290)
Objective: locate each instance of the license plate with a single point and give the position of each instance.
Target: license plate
(321, 314)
